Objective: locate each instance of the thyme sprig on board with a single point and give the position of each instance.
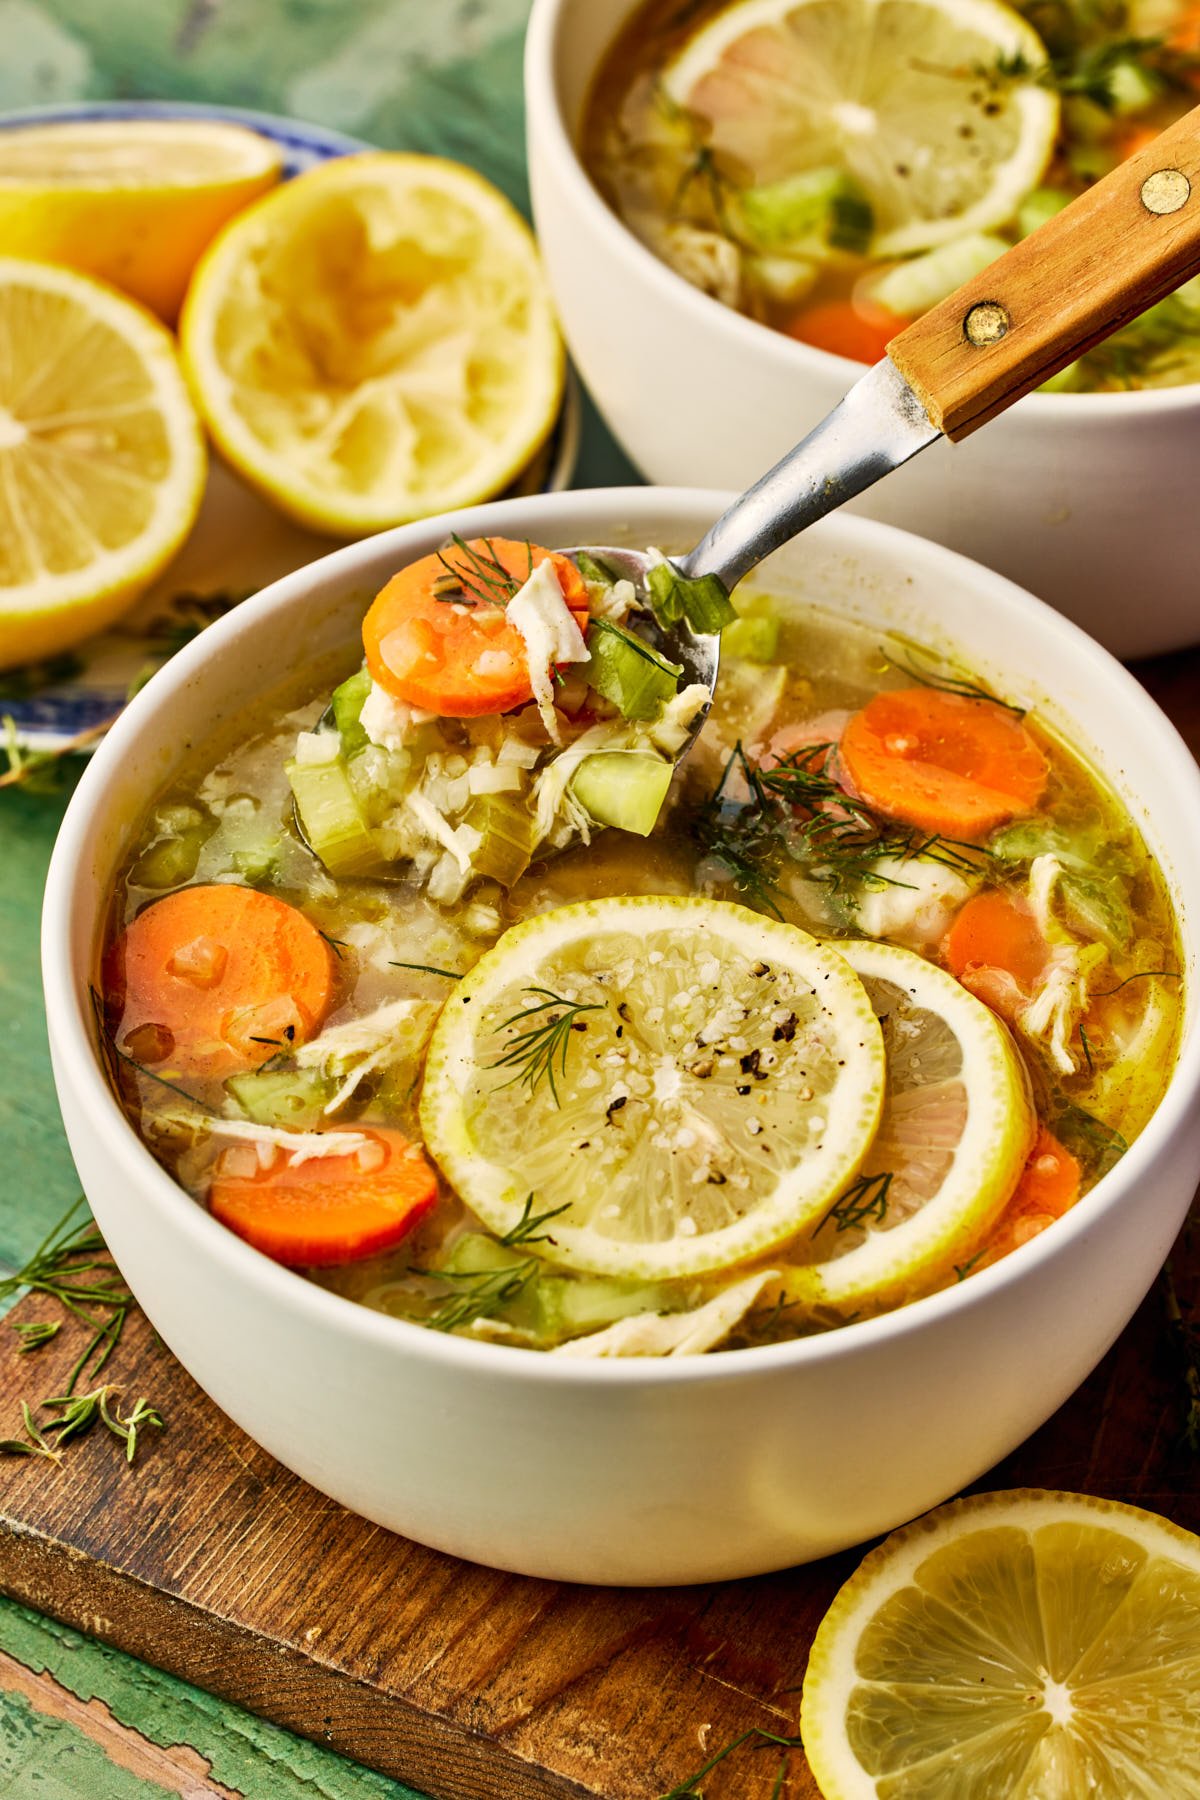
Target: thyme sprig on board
(72, 1267)
(534, 1051)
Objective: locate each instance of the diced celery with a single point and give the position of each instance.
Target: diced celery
(477, 1254)
(818, 209)
(1097, 908)
(331, 817)
(912, 287)
(347, 703)
(505, 827)
(747, 698)
(702, 601)
(1132, 87)
(1021, 842)
(623, 788)
(593, 570)
(1067, 380)
(1042, 204)
(258, 860)
(785, 279)
(171, 859)
(754, 637)
(567, 1307)
(294, 1099)
(628, 671)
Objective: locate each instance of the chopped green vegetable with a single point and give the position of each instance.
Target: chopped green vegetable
(331, 817)
(506, 826)
(1042, 204)
(912, 287)
(754, 637)
(566, 1308)
(294, 1099)
(704, 603)
(171, 859)
(1097, 908)
(593, 570)
(347, 703)
(816, 209)
(628, 671)
(1132, 87)
(623, 788)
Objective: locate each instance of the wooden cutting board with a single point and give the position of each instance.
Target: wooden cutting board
(210, 1560)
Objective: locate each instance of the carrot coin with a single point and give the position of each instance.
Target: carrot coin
(325, 1209)
(1049, 1187)
(437, 636)
(212, 979)
(943, 763)
(859, 333)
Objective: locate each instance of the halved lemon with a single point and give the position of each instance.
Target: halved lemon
(1012, 1646)
(374, 342)
(895, 92)
(133, 201)
(101, 456)
(957, 1127)
(691, 1082)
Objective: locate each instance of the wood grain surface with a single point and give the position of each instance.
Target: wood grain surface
(213, 1562)
(1071, 283)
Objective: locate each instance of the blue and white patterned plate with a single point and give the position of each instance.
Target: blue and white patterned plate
(239, 543)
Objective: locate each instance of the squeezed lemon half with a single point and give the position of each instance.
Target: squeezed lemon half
(101, 456)
(1012, 1646)
(957, 1126)
(374, 342)
(132, 201)
(692, 1082)
(893, 91)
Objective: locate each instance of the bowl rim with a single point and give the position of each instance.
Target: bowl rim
(281, 127)
(78, 1065)
(544, 109)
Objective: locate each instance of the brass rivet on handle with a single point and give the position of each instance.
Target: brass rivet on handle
(986, 323)
(1166, 191)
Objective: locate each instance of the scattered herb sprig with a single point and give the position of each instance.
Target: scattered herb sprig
(478, 578)
(534, 1052)
(925, 670)
(427, 969)
(481, 1293)
(689, 1789)
(865, 1202)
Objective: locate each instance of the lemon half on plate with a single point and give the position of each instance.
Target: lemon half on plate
(895, 92)
(691, 1082)
(101, 456)
(1012, 1646)
(374, 342)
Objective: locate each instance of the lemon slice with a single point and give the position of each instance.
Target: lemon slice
(101, 456)
(133, 201)
(957, 1127)
(1012, 1646)
(705, 1083)
(887, 90)
(374, 342)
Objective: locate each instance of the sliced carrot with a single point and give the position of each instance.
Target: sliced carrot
(1134, 138)
(942, 762)
(454, 653)
(860, 333)
(212, 979)
(327, 1209)
(997, 930)
(1048, 1187)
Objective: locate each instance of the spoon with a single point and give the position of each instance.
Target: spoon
(1126, 243)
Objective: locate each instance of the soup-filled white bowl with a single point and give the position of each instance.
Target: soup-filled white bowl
(634, 1471)
(1088, 499)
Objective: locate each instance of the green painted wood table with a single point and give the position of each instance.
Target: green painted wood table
(78, 1721)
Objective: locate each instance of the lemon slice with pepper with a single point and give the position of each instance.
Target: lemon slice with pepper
(957, 1127)
(691, 1083)
(1030, 1645)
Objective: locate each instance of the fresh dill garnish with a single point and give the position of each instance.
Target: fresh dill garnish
(1087, 1048)
(797, 812)
(1184, 1343)
(479, 1293)
(480, 577)
(1141, 975)
(337, 945)
(427, 969)
(864, 1202)
(943, 683)
(962, 1270)
(701, 167)
(110, 1049)
(760, 1739)
(533, 1052)
(527, 1228)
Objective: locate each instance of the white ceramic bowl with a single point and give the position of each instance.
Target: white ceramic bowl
(1087, 499)
(639, 1472)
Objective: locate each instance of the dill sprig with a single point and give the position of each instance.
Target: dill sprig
(917, 668)
(481, 1293)
(533, 1053)
(527, 1229)
(427, 969)
(114, 1056)
(760, 1739)
(72, 1266)
(479, 579)
(962, 1270)
(864, 1202)
(1140, 975)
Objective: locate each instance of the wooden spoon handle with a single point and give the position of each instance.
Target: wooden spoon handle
(1129, 241)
